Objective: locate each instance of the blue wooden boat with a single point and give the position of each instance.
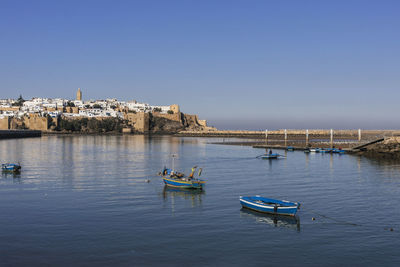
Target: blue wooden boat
(290, 148)
(269, 205)
(336, 150)
(11, 167)
(179, 180)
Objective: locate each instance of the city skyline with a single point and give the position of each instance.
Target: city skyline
(272, 65)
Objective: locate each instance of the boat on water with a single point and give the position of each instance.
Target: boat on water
(180, 180)
(11, 167)
(270, 156)
(315, 150)
(290, 148)
(338, 150)
(269, 205)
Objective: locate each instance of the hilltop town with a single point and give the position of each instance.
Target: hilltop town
(110, 115)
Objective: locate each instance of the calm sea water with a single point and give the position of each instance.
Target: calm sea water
(84, 201)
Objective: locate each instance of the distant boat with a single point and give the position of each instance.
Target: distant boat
(11, 167)
(290, 148)
(315, 150)
(307, 150)
(336, 150)
(268, 205)
(270, 156)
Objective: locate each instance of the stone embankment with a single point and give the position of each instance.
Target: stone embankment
(388, 148)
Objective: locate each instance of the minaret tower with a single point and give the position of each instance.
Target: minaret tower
(79, 94)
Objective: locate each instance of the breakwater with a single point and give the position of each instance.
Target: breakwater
(294, 134)
(7, 134)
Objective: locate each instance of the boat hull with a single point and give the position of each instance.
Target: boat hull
(179, 183)
(10, 167)
(281, 208)
(270, 156)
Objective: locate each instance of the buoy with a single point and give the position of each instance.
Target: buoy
(147, 181)
(313, 218)
(391, 229)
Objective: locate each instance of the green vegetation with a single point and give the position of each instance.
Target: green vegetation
(157, 110)
(170, 112)
(20, 102)
(93, 125)
(70, 104)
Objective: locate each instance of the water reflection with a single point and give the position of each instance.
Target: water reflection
(273, 220)
(193, 195)
(15, 175)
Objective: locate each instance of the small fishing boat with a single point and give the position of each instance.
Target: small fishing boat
(339, 151)
(268, 205)
(307, 150)
(270, 156)
(179, 180)
(315, 150)
(10, 167)
(290, 148)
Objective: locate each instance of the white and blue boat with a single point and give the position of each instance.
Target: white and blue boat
(10, 167)
(269, 205)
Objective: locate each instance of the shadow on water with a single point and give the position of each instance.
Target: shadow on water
(193, 194)
(15, 175)
(273, 220)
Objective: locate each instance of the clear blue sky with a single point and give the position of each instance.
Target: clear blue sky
(268, 64)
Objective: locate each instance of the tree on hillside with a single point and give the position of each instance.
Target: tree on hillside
(20, 101)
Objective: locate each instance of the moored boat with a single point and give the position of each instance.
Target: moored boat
(269, 205)
(179, 180)
(290, 148)
(10, 167)
(270, 156)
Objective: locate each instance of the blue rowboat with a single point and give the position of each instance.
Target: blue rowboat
(340, 151)
(268, 205)
(10, 167)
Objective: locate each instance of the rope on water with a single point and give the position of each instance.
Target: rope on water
(331, 218)
(391, 229)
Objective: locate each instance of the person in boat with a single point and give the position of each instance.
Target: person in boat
(164, 172)
(270, 151)
(192, 173)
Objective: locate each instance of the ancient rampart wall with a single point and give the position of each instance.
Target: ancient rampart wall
(5, 123)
